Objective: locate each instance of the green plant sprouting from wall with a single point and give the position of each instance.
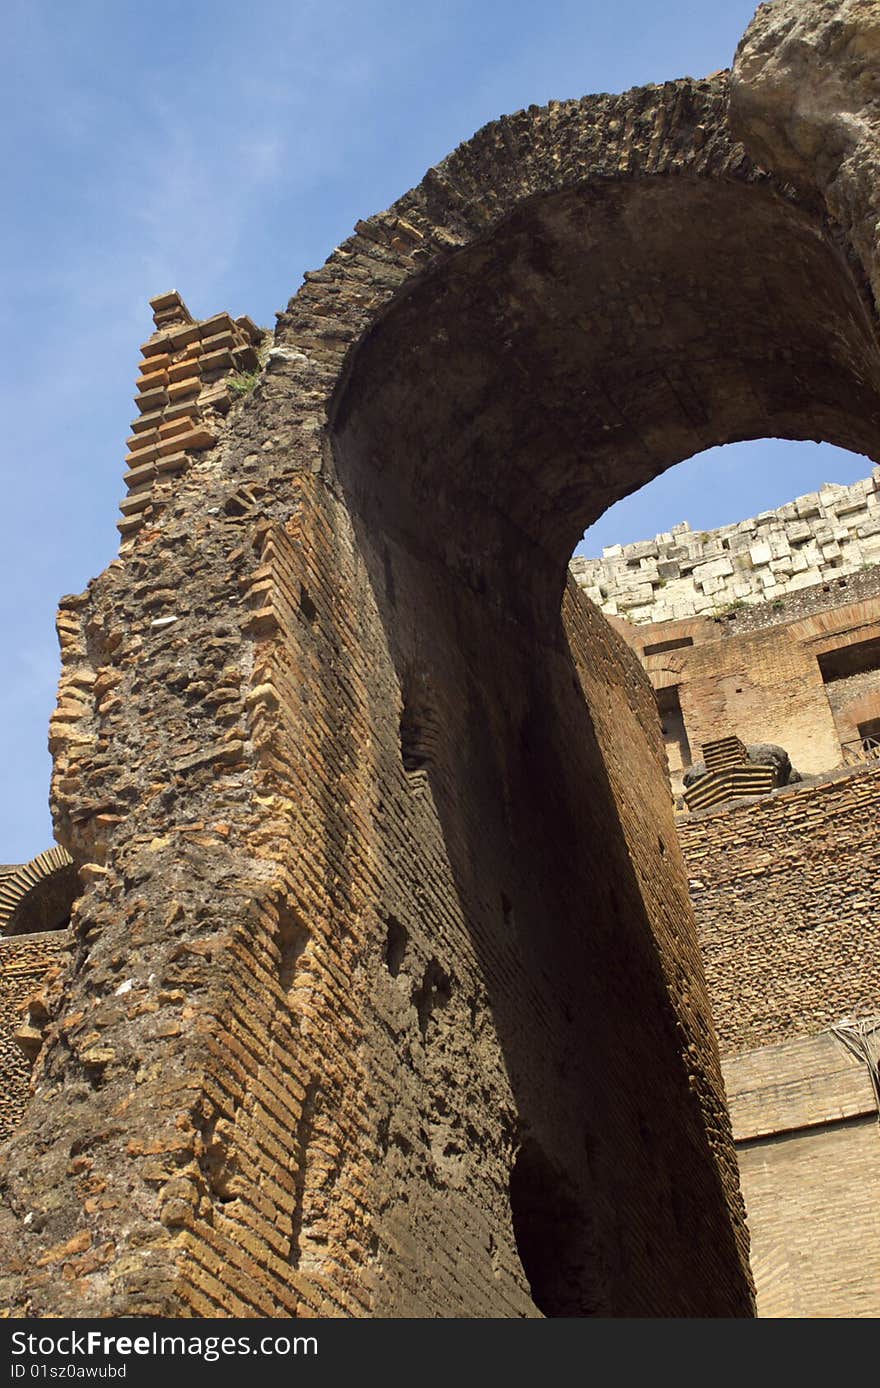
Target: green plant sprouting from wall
(243, 384)
(729, 608)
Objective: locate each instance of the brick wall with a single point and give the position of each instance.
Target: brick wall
(342, 1050)
(854, 701)
(24, 962)
(764, 683)
(804, 1116)
(452, 982)
(763, 687)
(192, 371)
(812, 1203)
(784, 891)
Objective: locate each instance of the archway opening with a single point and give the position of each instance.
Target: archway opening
(768, 550)
(503, 401)
(554, 1238)
(595, 339)
(722, 487)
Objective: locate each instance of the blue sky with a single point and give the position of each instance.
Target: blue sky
(224, 149)
(721, 486)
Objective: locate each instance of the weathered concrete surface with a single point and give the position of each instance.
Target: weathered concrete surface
(805, 101)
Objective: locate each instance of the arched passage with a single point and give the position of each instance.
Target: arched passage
(588, 339)
(597, 337)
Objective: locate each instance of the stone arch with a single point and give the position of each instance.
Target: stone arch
(679, 127)
(697, 313)
(615, 150)
(680, 300)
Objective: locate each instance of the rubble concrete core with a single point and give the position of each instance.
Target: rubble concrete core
(385, 996)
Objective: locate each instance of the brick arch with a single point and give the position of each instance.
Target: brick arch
(628, 173)
(367, 566)
(563, 316)
(38, 895)
(589, 323)
(677, 127)
(661, 131)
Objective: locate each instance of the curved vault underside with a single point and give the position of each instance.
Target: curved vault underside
(595, 338)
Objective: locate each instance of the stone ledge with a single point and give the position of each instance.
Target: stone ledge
(805, 1083)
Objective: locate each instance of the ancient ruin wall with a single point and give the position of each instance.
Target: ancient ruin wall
(251, 853)
(806, 685)
(813, 540)
(806, 602)
(230, 774)
(765, 686)
(812, 1199)
(190, 375)
(805, 1119)
(25, 960)
(784, 890)
(35, 903)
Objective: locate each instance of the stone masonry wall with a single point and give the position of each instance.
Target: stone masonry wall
(333, 820)
(806, 602)
(770, 681)
(246, 1153)
(815, 539)
(383, 955)
(764, 686)
(813, 1213)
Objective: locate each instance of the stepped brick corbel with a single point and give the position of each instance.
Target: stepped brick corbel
(183, 394)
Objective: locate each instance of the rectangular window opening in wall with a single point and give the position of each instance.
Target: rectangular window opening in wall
(660, 646)
(869, 732)
(678, 752)
(856, 659)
